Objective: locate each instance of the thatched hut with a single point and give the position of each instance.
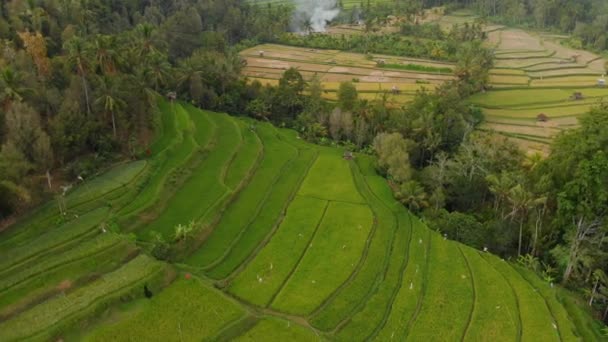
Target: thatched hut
(542, 117)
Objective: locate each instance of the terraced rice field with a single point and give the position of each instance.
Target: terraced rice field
(534, 74)
(266, 63)
(291, 242)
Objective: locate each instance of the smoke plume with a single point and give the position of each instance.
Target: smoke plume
(314, 14)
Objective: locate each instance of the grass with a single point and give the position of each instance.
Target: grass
(451, 305)
(406, 301)
(42, 280)
(267, 272)
(245, 159)
(343, 304)
(328, 179)
(537, 321)
(85, 197)
(81, 251)
(495, 315)
(269, 215)
(53, 240)
(166, 162)
(329, 260)
(274, 329)
(417, 67)
(587, 326)
(370, 319)
(203, 188)
(237, 217)
(175, 314)
(567, 329)
(45, 320)
(551, 112)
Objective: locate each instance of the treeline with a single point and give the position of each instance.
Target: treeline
(79, 79)
(420, 41)
(585, 19)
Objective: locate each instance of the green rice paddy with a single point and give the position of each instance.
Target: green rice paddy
(290, 242)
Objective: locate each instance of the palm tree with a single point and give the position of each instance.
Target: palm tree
(145, 39)
(500, 186)
(109, 98)
(78, 57)
(105, 54)
(157, 70)
(11, 85)
(522, 201)
(412, 194)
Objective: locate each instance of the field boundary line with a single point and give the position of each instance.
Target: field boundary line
(59, 266)
(228, 164)
(474, 304)
(179, 138)
(258, 210)
(276, 225)
(188, 169)
(226, 201)
(293, 270)
(355, 271)
(110, 296)
(517, 300)
(424, 289)
(555, 321)
(404, 267)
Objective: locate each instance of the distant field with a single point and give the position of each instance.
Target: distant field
(267, 63)
(535, 74)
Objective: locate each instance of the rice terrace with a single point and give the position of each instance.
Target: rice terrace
(229, 227)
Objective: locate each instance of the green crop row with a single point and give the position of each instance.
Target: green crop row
(53, 239)
(495, 315)
(368, 321)
(274, 329)
(537, 322)
(181, 149)
(187, 310)
(245, 160)
(410, 294)
(80, 251)
(268, 216)
(49, 281)
(417, 67)
(267, 272)
(342, 304)
(46, 319)
(451, 305)
(93, 194)
(249, 202)
(203, 188)
(329, 178)
(567, 329)
(330, 259)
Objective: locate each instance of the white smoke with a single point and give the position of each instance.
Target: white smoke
(317, 12)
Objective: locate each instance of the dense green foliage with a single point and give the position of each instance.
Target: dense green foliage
(82, 86)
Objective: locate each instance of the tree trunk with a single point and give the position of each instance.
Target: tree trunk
(521, 230)
(86, 93)
(113, 123)
(593, 292)
(605, 314)
(49, 180)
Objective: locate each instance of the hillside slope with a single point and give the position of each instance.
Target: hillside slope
(290, 242)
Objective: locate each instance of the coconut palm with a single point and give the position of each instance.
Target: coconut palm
(12, 88)
(104, 51)
(79, 58)
(109, 98)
